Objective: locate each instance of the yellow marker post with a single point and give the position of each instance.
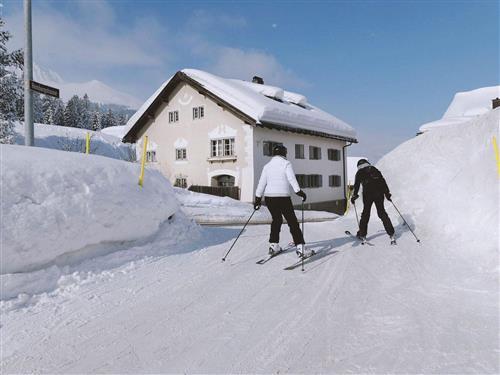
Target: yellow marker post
(87, 144)
(497, 156)
(348, 201)
(143, 160)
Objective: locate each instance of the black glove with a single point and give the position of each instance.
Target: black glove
(257, 203)
(388, 196)
(354, 197)
(301, 194)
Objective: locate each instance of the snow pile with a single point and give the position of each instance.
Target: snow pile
(465, 106)
(447, 182)
(56, 204)
(73, 139)
(210, 209)
(116, 131)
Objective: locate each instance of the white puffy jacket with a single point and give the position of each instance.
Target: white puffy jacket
(275, 179)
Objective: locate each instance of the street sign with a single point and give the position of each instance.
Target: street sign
(44, 89)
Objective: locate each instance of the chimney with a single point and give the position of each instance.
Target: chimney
(257, 79)
(495, 103)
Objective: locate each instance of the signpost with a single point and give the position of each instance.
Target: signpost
(44, 89)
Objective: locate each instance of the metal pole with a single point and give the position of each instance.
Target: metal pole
(303, 248)
(28, 76)
(356, 211)
(414, 235)
(244, 226)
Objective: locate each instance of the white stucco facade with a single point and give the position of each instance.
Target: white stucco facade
(196, 136)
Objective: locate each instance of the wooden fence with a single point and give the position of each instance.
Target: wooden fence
(221, 191)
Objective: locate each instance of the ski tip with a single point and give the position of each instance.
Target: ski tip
(418, 240)
(223, 259)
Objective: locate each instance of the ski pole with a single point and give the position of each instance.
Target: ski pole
(303, 248)
(225, 256)
(405, 221)
(356, 211)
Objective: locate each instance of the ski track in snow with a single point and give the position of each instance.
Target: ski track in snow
(355, 309)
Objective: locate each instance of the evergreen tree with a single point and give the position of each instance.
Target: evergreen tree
(11, 89)
(85, 114)
(59, 112)
(48, 107)
(109, 119)
(37, 108)
(96, 121)
(72, 112)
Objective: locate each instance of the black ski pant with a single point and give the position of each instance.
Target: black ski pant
(368, 200)
(279, 207)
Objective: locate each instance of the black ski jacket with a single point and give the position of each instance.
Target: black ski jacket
(372, 180)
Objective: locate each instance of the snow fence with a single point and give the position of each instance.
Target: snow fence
(56, 203)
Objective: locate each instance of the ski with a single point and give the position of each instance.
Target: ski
(265, 260)
(363, 241)
(299, 262)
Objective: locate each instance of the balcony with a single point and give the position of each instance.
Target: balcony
(222, 159)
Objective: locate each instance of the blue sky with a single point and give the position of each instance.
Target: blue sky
(385, 67)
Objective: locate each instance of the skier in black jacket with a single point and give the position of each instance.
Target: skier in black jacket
(374, 189)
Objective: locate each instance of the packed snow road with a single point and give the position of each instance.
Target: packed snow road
(406, 308)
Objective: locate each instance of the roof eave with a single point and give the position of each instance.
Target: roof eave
(275, 126)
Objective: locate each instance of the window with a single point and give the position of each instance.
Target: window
(180, 154)
(181, 182)
(173, 116)
(268, 147)
(334, 180)
(309, 180)
(314, 153)
(299, 152)
(301, 179)
(315, 180)
(151, 156)
(198, 112)
(333, 154)
(222, 147)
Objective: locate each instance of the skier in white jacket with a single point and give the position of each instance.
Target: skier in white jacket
(274, 182)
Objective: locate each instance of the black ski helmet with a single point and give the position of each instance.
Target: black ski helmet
(280, 150)
(362, 161)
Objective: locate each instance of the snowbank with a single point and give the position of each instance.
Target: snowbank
(210, 209)
(73, 139)
(447, 183)
(465, 106)
(50, 209)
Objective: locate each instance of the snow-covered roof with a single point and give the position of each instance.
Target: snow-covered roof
(261, 104)
(465, 106)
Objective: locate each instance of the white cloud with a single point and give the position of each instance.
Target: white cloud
(91, 36)
(237, 63)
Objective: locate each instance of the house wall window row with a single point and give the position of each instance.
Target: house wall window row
(334, 181)
(334, 154)
(151, 156)
(309, 180)
(299, 152)
(222, 147)
(268, 147)
(181, 182)
(314, 153)
(173, 116)
(198, 112)
(180, 154)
